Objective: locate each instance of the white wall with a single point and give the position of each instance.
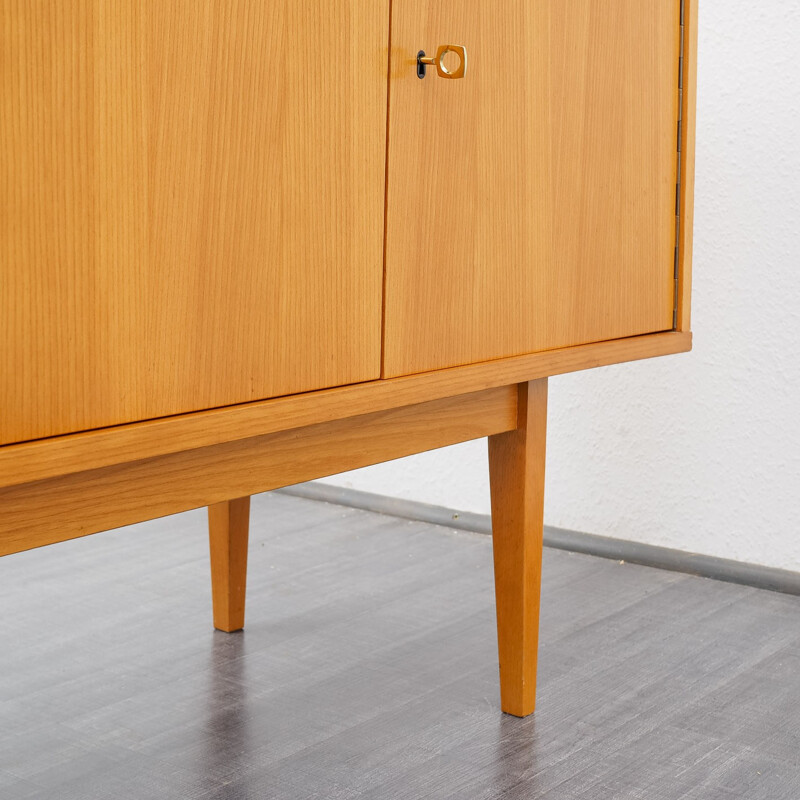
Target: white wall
(700, 451)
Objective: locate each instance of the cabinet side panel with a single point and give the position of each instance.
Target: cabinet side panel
(688, 126)
(191, 205)
(531, 204)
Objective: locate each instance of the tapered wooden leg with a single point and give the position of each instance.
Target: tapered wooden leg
(228, 527)
(516, 474)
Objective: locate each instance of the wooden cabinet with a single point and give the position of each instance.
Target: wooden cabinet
(247, 245)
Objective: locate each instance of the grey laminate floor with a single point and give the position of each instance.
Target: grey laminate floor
(368, 669)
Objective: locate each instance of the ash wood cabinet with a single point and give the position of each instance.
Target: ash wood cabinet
(244, 245)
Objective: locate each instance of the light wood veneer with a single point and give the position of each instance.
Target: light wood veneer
(530, 206)
(181, 227)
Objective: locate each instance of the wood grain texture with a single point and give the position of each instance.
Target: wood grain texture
(48, 511)
(191, 205)
(688, 130)
(530, 205)
(516, 473)
(33, 461)
(228, 533)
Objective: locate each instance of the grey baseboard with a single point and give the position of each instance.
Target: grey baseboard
(721, 569)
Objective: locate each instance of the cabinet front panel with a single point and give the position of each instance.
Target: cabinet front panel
(531, 204)
(191, 205)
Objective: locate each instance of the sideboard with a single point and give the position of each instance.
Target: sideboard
(245, 245)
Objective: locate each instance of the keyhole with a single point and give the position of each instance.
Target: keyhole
(421, 68)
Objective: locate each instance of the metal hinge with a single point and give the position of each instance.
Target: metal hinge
(678, 181)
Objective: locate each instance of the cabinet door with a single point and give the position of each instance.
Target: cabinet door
(191, 205)
(531, 204)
